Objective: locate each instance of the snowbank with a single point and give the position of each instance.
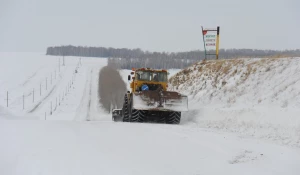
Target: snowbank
(257, 97)
(4, 114)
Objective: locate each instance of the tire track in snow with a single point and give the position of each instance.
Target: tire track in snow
(82, 100)
(22, 85)
(90, 98)
(37, 105)
(43, 99)
(31, 76)
(28, 79)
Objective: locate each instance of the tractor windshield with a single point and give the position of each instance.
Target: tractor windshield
(151, 76)
(143, 75)
(160, 76)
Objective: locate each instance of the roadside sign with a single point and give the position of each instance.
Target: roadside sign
(211, 40)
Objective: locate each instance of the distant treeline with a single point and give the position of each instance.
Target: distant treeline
(128, 58)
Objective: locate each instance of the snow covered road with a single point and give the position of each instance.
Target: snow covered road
(64, 147)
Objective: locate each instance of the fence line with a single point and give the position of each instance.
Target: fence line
(32, 93)
(62, 97)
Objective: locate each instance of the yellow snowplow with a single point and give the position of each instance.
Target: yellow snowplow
(149, 100)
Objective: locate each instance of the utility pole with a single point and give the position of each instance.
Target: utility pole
(59, 64)
(79, 63)
(51, 108)
(63, 60)
(6, 99)
(23, 101)
(218, 42)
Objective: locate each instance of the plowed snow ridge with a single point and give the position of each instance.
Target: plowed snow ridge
(254, 97)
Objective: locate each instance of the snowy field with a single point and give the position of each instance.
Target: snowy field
(75, 136)
(39, 88)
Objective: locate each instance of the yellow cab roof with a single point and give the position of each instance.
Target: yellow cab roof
(149, 69)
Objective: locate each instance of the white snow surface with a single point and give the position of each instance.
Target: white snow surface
(76, 148)
(66, 90)
(254, 97)
(78, 137)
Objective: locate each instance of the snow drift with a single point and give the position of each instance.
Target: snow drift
(258, 97)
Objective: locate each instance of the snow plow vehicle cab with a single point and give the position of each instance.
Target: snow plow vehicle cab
(149, 100)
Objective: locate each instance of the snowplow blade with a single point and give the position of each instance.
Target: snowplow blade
(160, 101)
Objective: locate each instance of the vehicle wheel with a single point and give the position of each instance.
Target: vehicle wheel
(125, 110)
(162, 117)
(173, 118)
(137, 116)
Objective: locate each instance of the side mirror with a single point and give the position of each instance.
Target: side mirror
(129, 77)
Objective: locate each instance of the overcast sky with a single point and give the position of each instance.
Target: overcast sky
(155, 25)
